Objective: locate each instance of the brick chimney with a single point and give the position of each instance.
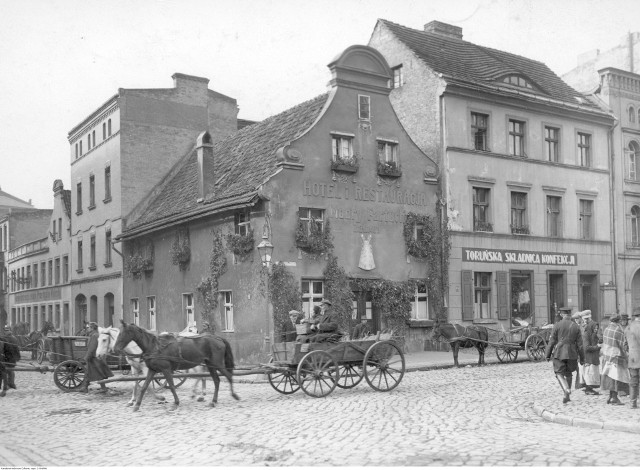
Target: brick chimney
(444, 29)
(206, 174)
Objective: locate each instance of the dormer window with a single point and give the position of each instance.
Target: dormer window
(517, 80)
(364, 107)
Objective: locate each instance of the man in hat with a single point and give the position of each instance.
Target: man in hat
(590, 342)
(614, 374)
(96, 369)
(565, 344)
(288, 332)
(327, 328)
(632, 334)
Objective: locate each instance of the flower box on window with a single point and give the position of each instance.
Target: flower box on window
(137, 264)
(313, 238)
(482, 226)
(520, 229)
(390, 169)
(345, 165)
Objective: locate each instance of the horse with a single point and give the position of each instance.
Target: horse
(168, 353)
(107, 339)
(460, 336)
(9, 356)
(29, 342)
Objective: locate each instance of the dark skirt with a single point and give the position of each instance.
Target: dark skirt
(97, 369)
(607, 383)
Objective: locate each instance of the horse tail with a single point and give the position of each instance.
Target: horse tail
(228, 355)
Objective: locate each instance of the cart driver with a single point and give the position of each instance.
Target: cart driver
(327, 329)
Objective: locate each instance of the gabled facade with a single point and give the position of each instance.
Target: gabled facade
(39, 271)
(118, 154)
(526, 175)
(339, 164)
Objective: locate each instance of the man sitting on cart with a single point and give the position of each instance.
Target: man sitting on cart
(327, 328)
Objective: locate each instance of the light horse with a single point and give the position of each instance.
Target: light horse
(168, 353)
(459, 336)
(106, 341)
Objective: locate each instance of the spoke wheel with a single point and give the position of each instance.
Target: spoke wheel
(41, 351)
(284, 381)
(317, 374)
(535, 345)
(506, 353)
(177, 381)
(69, 375)
(350, 375)
(384, 366)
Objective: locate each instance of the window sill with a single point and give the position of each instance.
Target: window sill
(108, 265)
(91, 207)
(344, 168)
(106, 200)
(227, 331)
(484, 321)
(79, 270)
(390, 174)
(92, 268)
(421, 323)
(78, 212)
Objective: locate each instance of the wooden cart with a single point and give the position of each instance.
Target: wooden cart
(532, 339)
(318, 368)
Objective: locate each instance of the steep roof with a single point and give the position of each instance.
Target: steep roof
(468, 62)
(9, 200)
(243, 161)
(66, 199)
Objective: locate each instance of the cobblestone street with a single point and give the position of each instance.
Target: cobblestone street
(468, 416)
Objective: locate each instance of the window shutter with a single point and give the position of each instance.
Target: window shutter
(503, 295)
(467, 295)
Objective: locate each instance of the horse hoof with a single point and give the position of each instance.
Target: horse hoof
(129, 404)
(3, 393)
(173, 407)
(212, 405)
(136, 408)
(235, 396)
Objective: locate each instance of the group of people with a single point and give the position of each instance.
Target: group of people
(610, 362)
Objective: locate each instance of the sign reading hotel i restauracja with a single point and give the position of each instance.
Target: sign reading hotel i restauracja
(519, 257)
(364, 193)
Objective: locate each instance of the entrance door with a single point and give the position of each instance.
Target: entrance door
(521, 297)
(588, 294)
(363, 308)
(557, 287)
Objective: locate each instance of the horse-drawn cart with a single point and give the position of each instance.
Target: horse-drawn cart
(531, 339)
(318, 368)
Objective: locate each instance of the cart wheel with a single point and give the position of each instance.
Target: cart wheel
(384, 366)
(69, 375)
(177, 381)
(350, 375)
(535, 345)
(284, 381)
(41, 351)
(506, 353)
(317, 374)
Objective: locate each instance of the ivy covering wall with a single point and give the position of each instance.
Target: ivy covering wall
(208, 287)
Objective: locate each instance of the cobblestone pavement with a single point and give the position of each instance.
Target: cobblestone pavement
(467, 416)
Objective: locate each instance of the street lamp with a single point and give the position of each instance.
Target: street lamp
(265, 248)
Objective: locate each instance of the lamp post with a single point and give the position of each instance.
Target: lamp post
(265, 248)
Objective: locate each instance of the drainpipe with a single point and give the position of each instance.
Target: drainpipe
(442, 201)
(612, 211)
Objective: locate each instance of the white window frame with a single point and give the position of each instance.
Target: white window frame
(481, 310)
(387, 150)
(188, 309)
(398, 76)
(135, 310)
(310, 298)
(226, 313)
(242, 222)
(589, 223)
(585, 149)
(477, 129)
(517, 140)
(364, 107)
(341, 147)
(304, 213)
(151, 308)
(420, 303)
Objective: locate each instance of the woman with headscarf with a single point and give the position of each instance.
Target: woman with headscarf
(96, 368)
(614, 372)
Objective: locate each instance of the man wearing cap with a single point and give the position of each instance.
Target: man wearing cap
(288, 332)
(632, 334)
(565, 344)
(327, 328)
(590, 342)
(614, 372)
(96, 369)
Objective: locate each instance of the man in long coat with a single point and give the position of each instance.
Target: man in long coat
(614, 372)
(565, 344)
(632, 334)
(327, 328)
(96, 369)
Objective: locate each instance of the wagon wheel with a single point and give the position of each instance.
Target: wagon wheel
(177, 381)
(284, 381)
(384, 366)
(506, 353)
(41, 351)
(535, 346)
(69, 375)
(350, 375)
(317, 374)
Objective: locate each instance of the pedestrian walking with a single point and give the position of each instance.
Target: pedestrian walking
(565, 344)
(97, 369)
(577, 319)
(590, 343)
(632, 333)
(614, 372)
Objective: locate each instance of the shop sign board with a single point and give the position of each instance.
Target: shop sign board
(519, 257)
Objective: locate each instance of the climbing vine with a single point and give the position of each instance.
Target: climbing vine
(208, 287)
(338, 291)
(392, 298)
(140, 259)
(312, 238)
(285, 295)
(241, 245)
(180, 251)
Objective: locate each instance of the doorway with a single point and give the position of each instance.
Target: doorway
(363, 308)
(557, 287)
(522, 297)
(588, 289)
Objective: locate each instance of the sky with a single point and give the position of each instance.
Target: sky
(62, 59)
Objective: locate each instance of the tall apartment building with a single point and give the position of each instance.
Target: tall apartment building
(611, 78)
(526, 174)
(119, 153)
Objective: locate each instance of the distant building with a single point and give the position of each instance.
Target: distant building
(39, 270)
(339, 164)
(118, 154)
(8, 202)
(526, 173)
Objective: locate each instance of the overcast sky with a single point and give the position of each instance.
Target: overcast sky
(61, 59)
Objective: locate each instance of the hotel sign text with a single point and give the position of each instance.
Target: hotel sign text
(519, 257)
(40, 295)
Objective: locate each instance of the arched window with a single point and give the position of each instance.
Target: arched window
(635, 226)
(634, 158)
(632, 114)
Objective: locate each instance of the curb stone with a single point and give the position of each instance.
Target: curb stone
(585, 423)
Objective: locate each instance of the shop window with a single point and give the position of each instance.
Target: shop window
(188, 309)
(482, 295)
(635, 227)
(226, 304)
(135, 311)
(586, 219)
(242, 223)
(398, 76)
(312, 293)
(584, 149)
(151, 308)
(481, 221)
(364, 107)
(517, 138)
(420, 303)
(519, 222)
(479, 131)
(551, 143)
(554, 216)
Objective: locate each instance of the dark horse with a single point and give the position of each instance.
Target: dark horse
(9, 355)
(167, 353)
(29, 341)
(459, 336)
